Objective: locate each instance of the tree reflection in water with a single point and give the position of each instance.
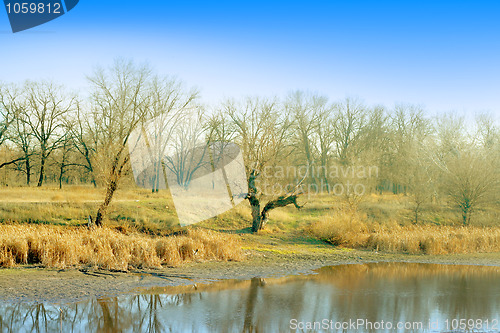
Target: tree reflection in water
(386, 291)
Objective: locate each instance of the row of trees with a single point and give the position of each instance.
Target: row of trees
(48, 133)
(440, 159)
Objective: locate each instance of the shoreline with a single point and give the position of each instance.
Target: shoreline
(37, 285)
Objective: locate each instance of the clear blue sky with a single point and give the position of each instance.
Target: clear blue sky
(444, 55)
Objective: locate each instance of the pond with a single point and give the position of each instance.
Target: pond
(377, 297)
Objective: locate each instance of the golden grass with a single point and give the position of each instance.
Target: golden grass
(62, 247)
(352, 230)
(73, 194)
(51, 194)
(72, 205)
(144, 215)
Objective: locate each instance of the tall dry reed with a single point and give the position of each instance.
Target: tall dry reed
(353, 230)
(61, 247)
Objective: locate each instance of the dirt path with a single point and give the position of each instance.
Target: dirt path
(43, 285)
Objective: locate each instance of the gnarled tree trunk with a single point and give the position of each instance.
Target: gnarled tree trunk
(259, 218)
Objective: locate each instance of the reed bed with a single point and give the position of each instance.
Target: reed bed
(355, 231)
(106, 248)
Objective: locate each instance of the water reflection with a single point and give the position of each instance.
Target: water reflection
(392, 292)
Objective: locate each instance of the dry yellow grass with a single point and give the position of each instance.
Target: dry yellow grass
(72, 194)
(352, 230)
(62, 247)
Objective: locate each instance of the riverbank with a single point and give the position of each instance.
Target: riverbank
(60, 260)
(34, 284)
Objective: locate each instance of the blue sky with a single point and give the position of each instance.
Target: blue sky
(443, 55)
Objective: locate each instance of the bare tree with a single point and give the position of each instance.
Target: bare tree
(263, 133)
(46, 107)
(349, 124)
(12, 104)
(24, 141)
(120, 102)
(65, 152)
(469, 168)
(85, 139)
(304, 110)
(471, 180)
(171, 107)
(487, 132)
(375, 137)
(409, 129)
(188, 149)
(325, 137)
(422, 178)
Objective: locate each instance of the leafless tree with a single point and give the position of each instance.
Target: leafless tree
(172, 106)
(12, 105)
(349, 124)
(422, 178)
(64, 161)
(121, 99)
(409, 129)
(85, 138)
(263, 132)
(487, 132)
(305, 110)
(46, 108)
(23, 139)
(471, 179)
(469, 169)
(325, 137)
(187, 148)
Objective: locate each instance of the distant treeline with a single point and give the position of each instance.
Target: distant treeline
(50, 135)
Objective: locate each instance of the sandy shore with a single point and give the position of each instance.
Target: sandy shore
(32, 284)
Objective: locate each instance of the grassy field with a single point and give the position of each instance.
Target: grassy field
(71, 206)
(47, 226)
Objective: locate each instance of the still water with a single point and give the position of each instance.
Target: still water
(379, 297)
